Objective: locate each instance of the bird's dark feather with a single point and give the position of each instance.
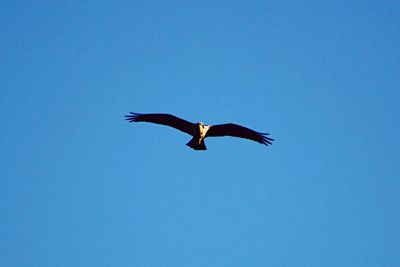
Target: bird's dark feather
(164, 119)
(230, 129)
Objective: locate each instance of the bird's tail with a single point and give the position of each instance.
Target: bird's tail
(193, 143)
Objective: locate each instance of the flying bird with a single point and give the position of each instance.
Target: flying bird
(199, 130)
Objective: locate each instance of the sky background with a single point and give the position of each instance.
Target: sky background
(80, 186)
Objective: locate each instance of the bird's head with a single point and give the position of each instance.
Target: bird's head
(202, 128)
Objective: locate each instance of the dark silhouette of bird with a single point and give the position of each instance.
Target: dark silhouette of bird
(199, 130)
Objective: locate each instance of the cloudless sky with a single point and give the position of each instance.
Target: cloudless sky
(80, 186)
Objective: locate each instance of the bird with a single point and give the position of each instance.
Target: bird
(199, 130)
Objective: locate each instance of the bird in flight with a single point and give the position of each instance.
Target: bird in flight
(199, 130)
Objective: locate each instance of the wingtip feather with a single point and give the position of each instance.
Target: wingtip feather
(133, 117)
(266, 140)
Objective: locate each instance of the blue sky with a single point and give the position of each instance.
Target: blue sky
(82, 187)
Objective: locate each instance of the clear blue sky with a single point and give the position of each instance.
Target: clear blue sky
(80, 186)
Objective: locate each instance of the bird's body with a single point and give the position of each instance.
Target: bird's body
(199, 130)
(199, 134)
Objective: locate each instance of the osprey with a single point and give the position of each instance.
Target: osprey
(199, 130)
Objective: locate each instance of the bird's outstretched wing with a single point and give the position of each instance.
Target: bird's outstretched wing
(235, 130)
(164, 119)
